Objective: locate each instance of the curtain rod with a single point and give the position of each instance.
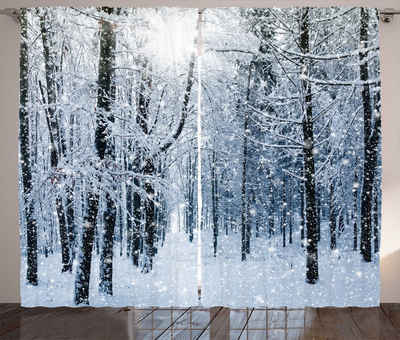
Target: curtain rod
(386, 14)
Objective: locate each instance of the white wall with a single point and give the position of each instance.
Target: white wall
(9, 87)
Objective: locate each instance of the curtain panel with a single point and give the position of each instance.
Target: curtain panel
(215, 157)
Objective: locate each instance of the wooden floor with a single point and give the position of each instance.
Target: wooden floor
(197, 323)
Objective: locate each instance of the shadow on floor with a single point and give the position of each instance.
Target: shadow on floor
(219, 323)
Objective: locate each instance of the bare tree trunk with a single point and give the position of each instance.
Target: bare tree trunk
(104, 100)
(190, 208)
(290, 214)
(54, 129)
(129, 221)
(377, 100)
(376, 220)
(245, 233)
(144, 96)
(271, 214)
(284, 213)
(85, 256)
(355, 212)
(25, 161)
(244, 196)
(302, 222)
(106, 259)
(136, 233)
(133, 203)
(308, 150)
(341, 221)
(65, 251)
(150, 226)
(371, 142)
(332, 217)
(318, 212)
(71, 228)
(214, 194)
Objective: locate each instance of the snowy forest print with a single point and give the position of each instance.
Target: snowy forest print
(289, 156)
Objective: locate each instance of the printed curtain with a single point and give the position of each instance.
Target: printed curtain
(182, 157)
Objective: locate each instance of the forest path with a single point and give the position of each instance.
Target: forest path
(176, 260)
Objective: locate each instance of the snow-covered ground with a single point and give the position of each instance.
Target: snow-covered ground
(274, 279)
(270, 277)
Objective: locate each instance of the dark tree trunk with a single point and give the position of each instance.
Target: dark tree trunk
(271, 213)
(149, 170)
(214, 194)
(289, 213)
(355, 212)
(318, 214)
(190, 208)
(121, 214)
(65, 251)
(245, 217)
(136, 233)
(85, 257)
(70, 215)
(105, 95)
(302, 222)
(376, 220)
(106, 259)
(284, 213)
(130, 218)
(64, 236)
(308, 150)
(99, 222)
(376, 143)
(135, 215)
(371, 142)
(332, 216)
(50, 70)
(69, 187)
(150, 226)
(25, 161)
(244, 196)
(258, 225)
(341, 221)
(105, 145)
(165, 223)
(54, 129)
(248, 229)
(70, 212)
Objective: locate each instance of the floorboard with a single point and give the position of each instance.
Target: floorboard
(17, 323)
